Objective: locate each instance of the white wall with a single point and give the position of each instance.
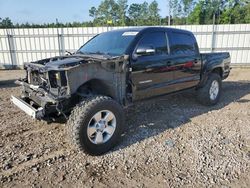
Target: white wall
(34, 44)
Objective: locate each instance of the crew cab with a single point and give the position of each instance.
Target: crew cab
(113, 70)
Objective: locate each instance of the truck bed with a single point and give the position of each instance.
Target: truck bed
(212, 60)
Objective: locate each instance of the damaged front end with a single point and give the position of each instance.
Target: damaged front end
(55, 85)
(44, 89)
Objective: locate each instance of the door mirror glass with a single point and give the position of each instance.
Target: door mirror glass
(145, 51)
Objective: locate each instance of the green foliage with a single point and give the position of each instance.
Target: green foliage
(196, 16)
(45, 25)
(6, 23)
(107, 11)
(134, 13)
(139, 14)
(93, 12)
(187, 7)
(247, 16)
(154, 16)
(176, 8)
(119, 13)
(224, 12)
(236, 12)
(122, 10)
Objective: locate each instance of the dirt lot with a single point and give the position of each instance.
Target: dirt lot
(169, 142)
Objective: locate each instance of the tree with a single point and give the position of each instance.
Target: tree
(237, 14)
(140, 14)
(176, 9)
(187, 7)
(6, 23)
(235, 11)
(134, 12)
(206, 12)
(106, 11)
(182, 12)
(144, 10)
(176, 12)
(122, 10)
(247, 16)
(92, 12)
(197, 16)
(154, 16)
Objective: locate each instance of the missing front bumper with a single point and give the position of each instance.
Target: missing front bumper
(37, 113)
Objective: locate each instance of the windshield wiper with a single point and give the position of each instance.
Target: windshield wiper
(84, 53)
(98, 53)
(102, 53)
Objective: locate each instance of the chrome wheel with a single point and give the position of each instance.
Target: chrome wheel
(214, 90)
(101, 127)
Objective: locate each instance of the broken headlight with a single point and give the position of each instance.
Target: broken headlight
(57, 79)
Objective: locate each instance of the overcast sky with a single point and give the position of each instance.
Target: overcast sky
(44, 11)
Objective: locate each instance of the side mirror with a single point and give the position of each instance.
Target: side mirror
(143, 51)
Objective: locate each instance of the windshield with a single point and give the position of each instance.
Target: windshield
(110, 43)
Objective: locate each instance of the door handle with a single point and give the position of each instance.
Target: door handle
(150, 66)
(196, 61)
(155, 65)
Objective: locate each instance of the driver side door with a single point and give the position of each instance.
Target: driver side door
(152, 73)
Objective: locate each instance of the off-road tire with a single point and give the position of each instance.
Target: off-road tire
(79, 120)
(203, 95)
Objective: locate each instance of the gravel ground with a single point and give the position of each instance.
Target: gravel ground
(169, 142)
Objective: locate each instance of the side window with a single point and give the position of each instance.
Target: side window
(156, 40)
(182, 44)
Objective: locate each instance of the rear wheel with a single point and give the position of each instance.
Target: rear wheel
(210, 93)
(95, 125)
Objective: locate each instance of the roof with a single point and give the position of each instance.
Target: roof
(143, 28)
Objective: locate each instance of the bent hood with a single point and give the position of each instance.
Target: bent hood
(63, 62)
(67, 62)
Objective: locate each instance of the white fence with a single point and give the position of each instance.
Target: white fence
(24, 45)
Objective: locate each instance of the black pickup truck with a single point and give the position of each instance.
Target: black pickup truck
(114, 70)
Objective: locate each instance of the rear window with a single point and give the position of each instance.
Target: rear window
(182, 44)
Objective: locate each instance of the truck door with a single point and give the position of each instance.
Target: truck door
(151, 69)
(185, 59)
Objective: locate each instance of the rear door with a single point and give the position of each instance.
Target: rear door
(151, 74)
(185, 58)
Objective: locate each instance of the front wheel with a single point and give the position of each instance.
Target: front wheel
(95, 125)
(210, 93)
